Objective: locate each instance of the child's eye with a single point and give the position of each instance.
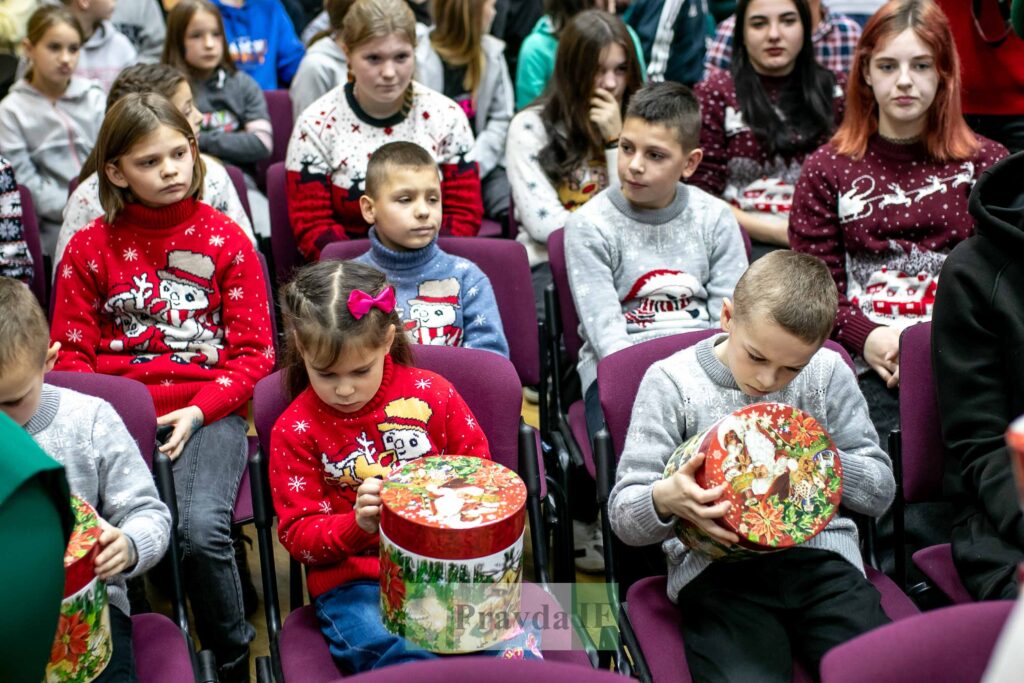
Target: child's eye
(325, 375)
(923, 66)
(885, 67)
(756, 359)
(402, 56)
(433, 200)
(655, 156)
(626, 147)
(620, 69)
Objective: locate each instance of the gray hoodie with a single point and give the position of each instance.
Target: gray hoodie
(142, 23)
(323, 68)
(104, 54)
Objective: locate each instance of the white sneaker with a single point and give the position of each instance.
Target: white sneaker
(589, 546)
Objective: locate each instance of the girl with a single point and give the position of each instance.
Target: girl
(15, 259)
(347, 367)
(563, 151)
(168, 291)
(218, 190)
(333, 139)
(50, 119)
(759, 120)
(468, 65)
(886, 199)
(324, 67)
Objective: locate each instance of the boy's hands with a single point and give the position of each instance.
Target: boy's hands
(117, 555)
(185, 421)
(368, 505)
(680, 495)
(606, 114)
(882, 353)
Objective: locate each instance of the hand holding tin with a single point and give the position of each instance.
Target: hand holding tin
(368, 505)
(117, 555)
(680, 495)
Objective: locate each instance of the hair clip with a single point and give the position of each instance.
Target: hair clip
(360, 303)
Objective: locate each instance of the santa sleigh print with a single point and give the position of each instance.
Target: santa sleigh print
(859, 201)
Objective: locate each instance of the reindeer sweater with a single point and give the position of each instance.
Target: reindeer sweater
(331, 145)
(883, 225)
(172, 297)
(319, 456)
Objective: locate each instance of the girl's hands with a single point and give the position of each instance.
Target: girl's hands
(368, 505)
(185, 421)
(117, 555)
(606, 114)
(882, 353)
(680, 495)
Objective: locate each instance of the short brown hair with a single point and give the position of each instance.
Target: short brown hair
(672, 105)
(24, 334)
(794, 290)
(394, 155)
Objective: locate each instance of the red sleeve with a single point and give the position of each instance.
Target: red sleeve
(311, 213)
(461, 199)
(710, 175)
(463, 432)
(76, 322)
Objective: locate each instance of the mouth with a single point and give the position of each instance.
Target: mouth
(633, 185)
(774, 51)
(904, 101)
(756, 392)
(424, 230)
(176, 187)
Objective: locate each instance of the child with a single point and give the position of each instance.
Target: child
(168, 291)
(443, 300)
(746, 619)
(15, 259)
(263, 40)
(101, 461)
(50, 118)
(218, 191)
(651, 257)
(325, 66)
(359, 410)
(105, 50)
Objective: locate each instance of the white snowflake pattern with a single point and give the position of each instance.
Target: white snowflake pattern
(217, 241)
(120, 499)
(470, 422)
(268, 351)
(297, 484)
(325, 507)
(65, 272)
(462, 265)
(300, 426)
(74, 336)
(239, 258)
(190, 230)
(236, 293)
(423, 383)
(224, 381)
(473, 291)
(480, 319)
(166, 383)
(306, 556)
(130, 254)
(93, 266)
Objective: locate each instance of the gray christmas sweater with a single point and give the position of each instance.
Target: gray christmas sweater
(639, 274)
(104, 467)
(687, 393)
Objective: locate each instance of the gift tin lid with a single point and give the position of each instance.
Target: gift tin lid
(83, 547)
(782, 469)
(453, 507)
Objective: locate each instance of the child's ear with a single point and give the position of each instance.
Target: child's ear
(26, 48)
(115, 176)
(726, 318)
(51, 357)
(366, 208)
(693, 160)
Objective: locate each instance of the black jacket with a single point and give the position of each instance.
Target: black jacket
(978, 355)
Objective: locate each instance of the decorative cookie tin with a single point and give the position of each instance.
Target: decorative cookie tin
(1015, 444)
(83, 643)
(451, 552)
(784, 476)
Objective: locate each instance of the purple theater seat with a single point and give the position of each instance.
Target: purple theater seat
(238, 180)
(30, 225)
(161, 653)
(282, 240)
(489, 228)
(951, 645)
(459, 669)
(304, 652)
(936, 562)
(279, 107)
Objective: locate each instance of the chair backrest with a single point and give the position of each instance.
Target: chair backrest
(72, 186)
(282, 240)
(30, 226)
(490, 669)
(566, 307)
(130, 398)
(279, 106)
(238, 180)
(921, 447)
(505, 264)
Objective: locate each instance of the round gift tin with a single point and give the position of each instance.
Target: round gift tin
(1015, 444)
(451, 552)
(783, 474)
(83, 644)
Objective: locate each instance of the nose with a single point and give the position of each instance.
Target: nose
(421, 209)
(387, 70)
(766, 380)
(608, 80)
(636, 164)
(168, 169)
(208, 42)
(904, 79)
(344, 389)
(773, 31)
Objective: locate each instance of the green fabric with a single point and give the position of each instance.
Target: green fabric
(35, 524)
(1017, 17)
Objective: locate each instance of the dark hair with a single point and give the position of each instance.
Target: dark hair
(24, 333)
(336, 11)
(394, 154)
(671, 104)
(565, 104)
(794, 290)
(314, 308)
(561, 12)
(804, 117)
(177, 26)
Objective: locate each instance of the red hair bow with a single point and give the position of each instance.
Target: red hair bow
(360, 303)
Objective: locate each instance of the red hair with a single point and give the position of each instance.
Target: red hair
(946, 135)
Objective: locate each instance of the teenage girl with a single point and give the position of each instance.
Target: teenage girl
(168, 291)
(347, 367)
(49, 119)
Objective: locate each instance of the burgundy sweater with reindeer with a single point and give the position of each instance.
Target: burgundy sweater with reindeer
(883, 225)
(319, 456)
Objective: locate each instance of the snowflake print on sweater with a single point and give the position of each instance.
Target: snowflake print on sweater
(331, 146)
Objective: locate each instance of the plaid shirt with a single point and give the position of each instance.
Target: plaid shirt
(834, 42)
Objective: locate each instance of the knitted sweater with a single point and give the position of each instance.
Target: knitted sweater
(262, 41)
(332, 143)
(444, 300)
(319, 457)
(104, 467)
(15, 260)
(883, 225)
(173, 297)
(688, 392)
(84, 205)
(734, 166)
(637, 275)
(541, 207)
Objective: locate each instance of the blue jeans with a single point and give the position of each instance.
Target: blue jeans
(206, 478)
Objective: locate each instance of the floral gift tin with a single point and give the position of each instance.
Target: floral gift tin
(83, 644)
(783, 474)
(451, 552)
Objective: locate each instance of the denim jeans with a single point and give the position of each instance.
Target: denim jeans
(206, 478)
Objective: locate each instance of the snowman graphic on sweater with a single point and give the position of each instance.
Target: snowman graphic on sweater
(433, 313)
(665, 299)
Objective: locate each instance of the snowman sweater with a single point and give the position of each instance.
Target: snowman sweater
(884, 224)
(638, 274)
(172, 297)
(319, 456)
(444, 300)
(331, 145)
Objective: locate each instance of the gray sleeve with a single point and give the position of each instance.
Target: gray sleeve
(240, 146)
(311, 82)
(656, 428)
(727, 259)
(489, 149)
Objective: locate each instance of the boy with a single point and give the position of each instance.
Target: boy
(106, 50)
(443, 299)
(101, 460)
(745, 619)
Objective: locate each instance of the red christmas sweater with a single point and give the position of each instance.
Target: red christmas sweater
(883, 225)
(331, 146)
(319, 457)
(173, 297)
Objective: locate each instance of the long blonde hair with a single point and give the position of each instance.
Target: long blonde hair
(371, 19)
(458, 38)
